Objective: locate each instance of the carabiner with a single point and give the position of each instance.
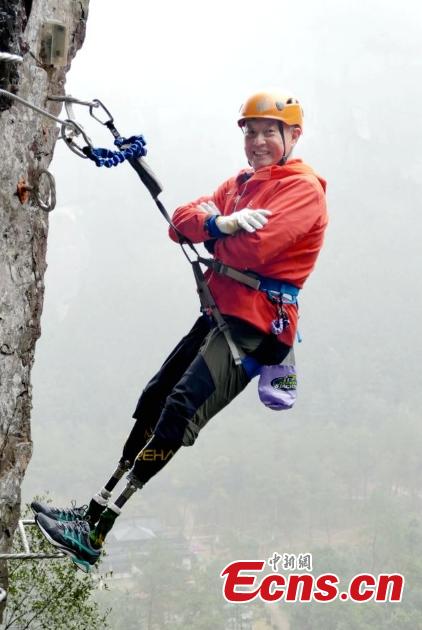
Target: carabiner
(98, 103)
(74, 130)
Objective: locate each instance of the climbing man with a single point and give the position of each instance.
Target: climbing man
(267, 224)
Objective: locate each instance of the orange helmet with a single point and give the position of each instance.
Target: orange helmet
(272, 105)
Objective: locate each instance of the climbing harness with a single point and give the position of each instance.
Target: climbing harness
(277, 292)
(27, 554)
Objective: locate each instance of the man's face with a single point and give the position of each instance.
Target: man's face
(263, 142)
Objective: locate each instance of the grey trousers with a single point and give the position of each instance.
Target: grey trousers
(198, 379)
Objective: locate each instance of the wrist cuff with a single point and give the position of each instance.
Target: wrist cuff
(212, 228)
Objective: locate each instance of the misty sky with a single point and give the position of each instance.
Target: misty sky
(178, 73)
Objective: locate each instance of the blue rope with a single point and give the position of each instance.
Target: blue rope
(108, 158)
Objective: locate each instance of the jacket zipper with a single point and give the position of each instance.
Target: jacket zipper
(239, 197)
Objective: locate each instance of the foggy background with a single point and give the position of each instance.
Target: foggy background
(339, 475)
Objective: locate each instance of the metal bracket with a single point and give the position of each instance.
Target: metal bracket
(27, 554)
(23, 191)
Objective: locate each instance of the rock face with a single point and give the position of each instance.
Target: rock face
(27, 142)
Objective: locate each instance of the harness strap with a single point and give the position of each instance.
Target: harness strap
(231, 272)
(208, 305)
(269, 286)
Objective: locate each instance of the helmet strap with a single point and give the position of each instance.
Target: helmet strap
(284, 158)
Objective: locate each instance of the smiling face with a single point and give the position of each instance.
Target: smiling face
(263, 141)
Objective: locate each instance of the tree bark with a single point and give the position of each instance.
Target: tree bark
(27, 142)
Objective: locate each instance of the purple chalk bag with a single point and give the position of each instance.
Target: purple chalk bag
(277, 386)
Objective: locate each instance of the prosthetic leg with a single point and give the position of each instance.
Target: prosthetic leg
(151, 459)
(100, 500)
(139, 435)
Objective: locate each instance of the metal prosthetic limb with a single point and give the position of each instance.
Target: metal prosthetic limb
(151, 459)
(99, 501)
(110, 513)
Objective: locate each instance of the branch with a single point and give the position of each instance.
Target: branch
(18, 606)
(41, 610)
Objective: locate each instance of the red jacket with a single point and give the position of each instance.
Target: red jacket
(285, 249)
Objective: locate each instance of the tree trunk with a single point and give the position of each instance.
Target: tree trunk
(26, 145)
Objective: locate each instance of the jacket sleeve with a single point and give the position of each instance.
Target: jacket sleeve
(296, 208)
(190, 219)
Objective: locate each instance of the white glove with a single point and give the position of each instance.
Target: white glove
(209, 207)
(247, 219)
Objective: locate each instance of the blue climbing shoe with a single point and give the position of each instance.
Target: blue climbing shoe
(72, 538)
(64, 515)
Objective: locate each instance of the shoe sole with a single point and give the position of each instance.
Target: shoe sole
(83, 565)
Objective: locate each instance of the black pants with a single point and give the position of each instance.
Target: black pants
(198, 379)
